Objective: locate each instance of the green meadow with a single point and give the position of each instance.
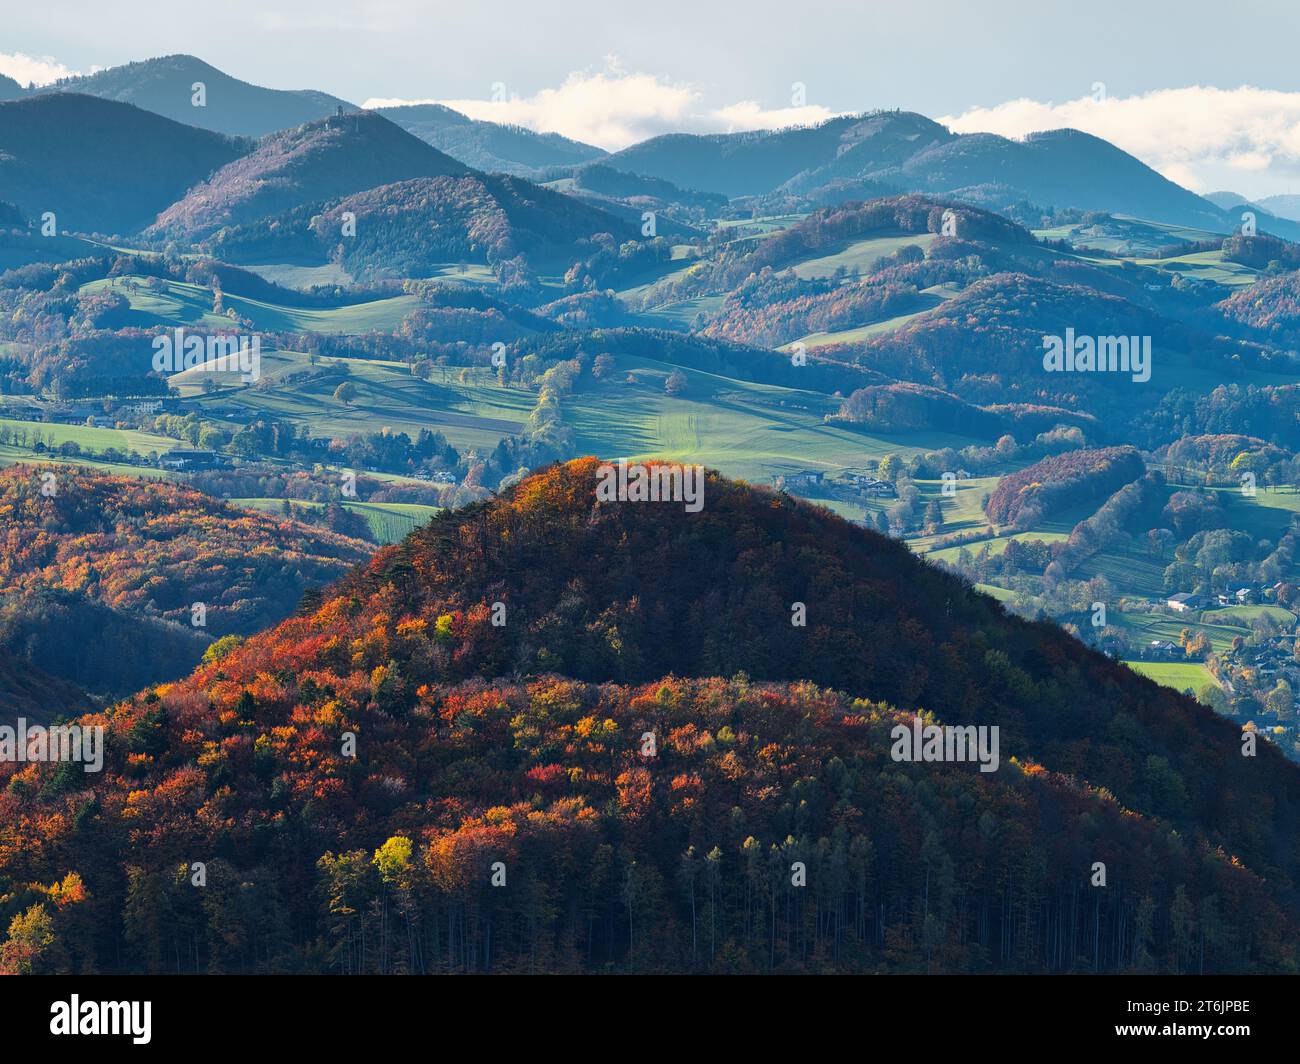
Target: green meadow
(477, 415)
(1245, 616)
(747, 430)
(97, 439)
(177, 303)
(10, 456)
(389, 521)
(742, 428)
(1181, 676)
(860, 255)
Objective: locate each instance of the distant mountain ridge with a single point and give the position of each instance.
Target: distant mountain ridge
(1284, 206)
(910, 152)
(100, 165)
(847, 157)
(488, 145)
(165, 85)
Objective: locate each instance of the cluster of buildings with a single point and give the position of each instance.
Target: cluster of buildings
(860, 483)
(1238, 596)
(800, 479)
(184, 460)
(874, 487)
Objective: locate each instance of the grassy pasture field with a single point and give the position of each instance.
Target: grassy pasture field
(97, 439)
(388, 396)
(10, 456)
(744, 429)
(389, 521)
(1126, 232)
(1181, 676)
(1266, 515)
(305, 275)
(767, 224)
(1206, 266)
(996, 544)
(178, 303)
(1130, 570)
(747, 430)
(682, 313)
(963, 511)
(860, 254)
(673, 270)
(299, 275)
(1148, 627)
(1244, 616)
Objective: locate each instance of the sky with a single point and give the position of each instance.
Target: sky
(1207, 93)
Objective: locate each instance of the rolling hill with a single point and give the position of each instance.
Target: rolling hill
(605, 181)
(986, 344)
(490, 146)
(165, 86)
(646, 813)
(99, 581)
(749, 164)
(322, 160)
(99, 165)
(410, 228)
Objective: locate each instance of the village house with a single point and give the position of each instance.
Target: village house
(870, 485)
(184, 460)
(803, 478)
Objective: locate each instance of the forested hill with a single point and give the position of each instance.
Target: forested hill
(519, 749)
(99, 165)
(351, 781)
(100, 575)
(322, 160)
(29, 692)
(631, 592)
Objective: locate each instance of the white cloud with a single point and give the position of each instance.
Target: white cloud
(750, 115)
(26, 69)
(1245, 139)
(612, 108)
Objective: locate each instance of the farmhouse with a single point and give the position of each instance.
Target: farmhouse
(1241, 596)
(181, 459)
(1184, 602)
(870, 485)
(803, 478)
